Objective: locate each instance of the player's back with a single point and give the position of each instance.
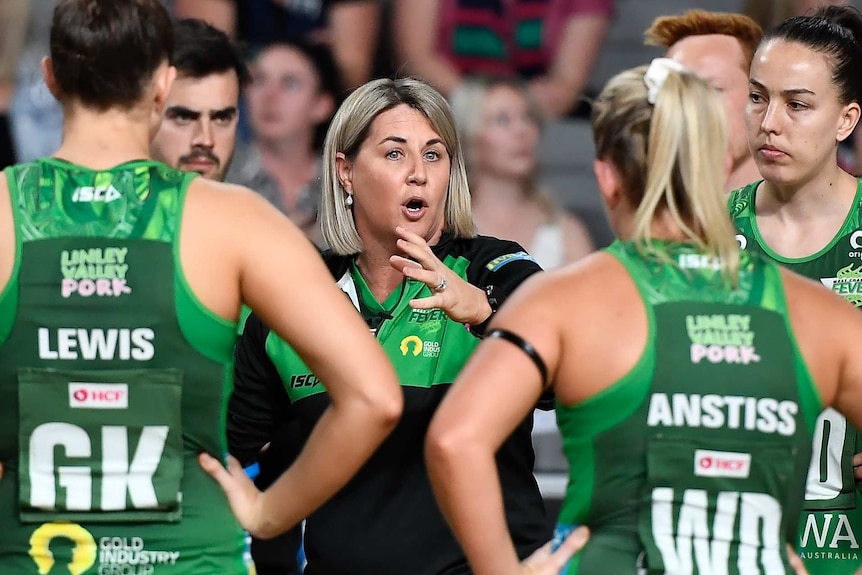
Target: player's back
(115, 378)
(694, 461)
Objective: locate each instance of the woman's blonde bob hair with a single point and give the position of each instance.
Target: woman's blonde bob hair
(348, 131)
(670, 156)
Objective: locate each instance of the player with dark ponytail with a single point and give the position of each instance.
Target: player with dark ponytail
(806, 213)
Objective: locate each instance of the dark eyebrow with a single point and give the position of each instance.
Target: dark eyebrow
(400, 140)
(798, 92)
(790, 92)
(228, 112)
(174, 111)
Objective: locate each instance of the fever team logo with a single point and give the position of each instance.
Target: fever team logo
(847, 283)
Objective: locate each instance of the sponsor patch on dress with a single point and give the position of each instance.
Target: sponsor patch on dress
(721, 464)
(499, 262)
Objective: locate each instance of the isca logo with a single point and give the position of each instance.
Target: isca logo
(83, 555)
(87, 194)
(405, 345)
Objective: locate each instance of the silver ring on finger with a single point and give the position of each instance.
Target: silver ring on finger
(441, 286)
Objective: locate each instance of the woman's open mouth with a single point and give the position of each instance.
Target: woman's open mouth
(414, 208)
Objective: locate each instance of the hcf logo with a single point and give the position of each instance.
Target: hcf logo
(99, 395)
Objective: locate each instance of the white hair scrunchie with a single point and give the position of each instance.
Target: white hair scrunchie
(656, 75)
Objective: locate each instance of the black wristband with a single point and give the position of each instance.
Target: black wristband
(479, 329)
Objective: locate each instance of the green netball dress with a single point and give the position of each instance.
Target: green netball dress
(694, 462)
(831, 526)
(113, 378)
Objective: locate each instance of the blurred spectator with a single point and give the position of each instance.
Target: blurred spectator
(348, 27)
(500, 126)
(37, 120)
(718, 47)
(13, 23)
(291, 99)
(198, 131)
(553, 43)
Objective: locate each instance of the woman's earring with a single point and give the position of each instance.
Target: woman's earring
(348, 201)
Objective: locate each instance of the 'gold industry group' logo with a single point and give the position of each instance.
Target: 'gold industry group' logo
(411, 339)
(413, 344)
(83, 556)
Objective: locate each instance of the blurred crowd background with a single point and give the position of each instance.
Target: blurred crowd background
(308, 54)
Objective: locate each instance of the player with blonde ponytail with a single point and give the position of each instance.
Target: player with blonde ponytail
(688, 376)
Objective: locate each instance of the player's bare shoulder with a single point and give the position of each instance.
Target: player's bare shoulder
(588, 277)
(566, 291)
(826, 327)
(231, 209)
(807, 301)
(217, 196)
(5, 201)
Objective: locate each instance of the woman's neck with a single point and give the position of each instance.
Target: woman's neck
(742, 175)
(502, 208)
(101, 140)
(665, 227)
(381, 277)
(492, 193)
(824, 194)
(373, 264)
(662, 227)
